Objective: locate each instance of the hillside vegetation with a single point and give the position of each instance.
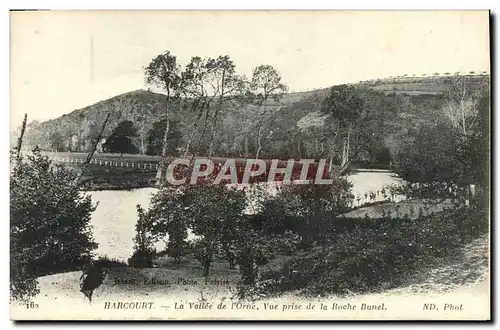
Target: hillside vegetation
(293, 128)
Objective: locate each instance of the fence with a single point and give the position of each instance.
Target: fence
(108, 163)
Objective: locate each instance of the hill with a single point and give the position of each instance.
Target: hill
(395, 105)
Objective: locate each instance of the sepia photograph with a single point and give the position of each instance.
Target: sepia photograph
(250, 165)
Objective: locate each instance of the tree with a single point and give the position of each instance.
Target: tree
(344, 106)
(167, 217)
(163, 72)
(211, 84)
(56, 141)
(143, 248)
(92, 134)
(461, 107)
(50, 227)
(120, 139)
(442, 161)
(266, 83)
(214, 213)
(226, 84)
(155, 138)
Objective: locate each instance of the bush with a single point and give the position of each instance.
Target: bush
(107, 262)
(50, 227)
(144, 253)
(287, 244)
(307, 210)
(141, 259)
(376, 254)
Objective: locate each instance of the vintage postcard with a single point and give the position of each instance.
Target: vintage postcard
(250, 165)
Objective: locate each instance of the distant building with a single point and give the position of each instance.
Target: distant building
(100, 144)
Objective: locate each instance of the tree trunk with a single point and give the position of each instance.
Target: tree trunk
(212, 135)
(206, 268)
(229, 256)
(86, 164)
(259, 130)
(246, 145)
(204, 127)
(193, 132)
(332, 150)
(160, 172)
(259, 138)
(141, 137)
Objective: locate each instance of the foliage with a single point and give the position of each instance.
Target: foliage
(167, 217)
(442, 160)
(143, 248)
(141, 259)
(215, 215)
(50, 222)
(120, 139)
(376, 253)
(286, 243)
(156, 134)
(56, 142)
(266, 83)
(343, 104)
(204, 250)
(307, 209)
(385, 119)
(163, 72)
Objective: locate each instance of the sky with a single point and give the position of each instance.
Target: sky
(62, 60)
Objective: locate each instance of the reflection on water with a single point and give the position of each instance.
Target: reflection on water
(115, 218)
(116, 215)
(365, 183)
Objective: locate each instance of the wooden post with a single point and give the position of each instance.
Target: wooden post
(91, 153)
(20, 139)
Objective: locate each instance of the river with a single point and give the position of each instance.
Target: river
(116, 214)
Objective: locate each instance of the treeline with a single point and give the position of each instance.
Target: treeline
(211, 109)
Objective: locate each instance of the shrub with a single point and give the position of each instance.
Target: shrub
(307, 210)
(143, 254)
(287, 244)
(107, 262)
(141, 259)
(95, 272)
(50, 227)
(376, 253)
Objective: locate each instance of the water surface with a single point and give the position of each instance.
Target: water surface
(116, 215)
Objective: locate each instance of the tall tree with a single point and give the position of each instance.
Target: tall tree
(194, 87)
(461, 106)
(344, 106)
(163, 73)
(120, 139)
(155, 137)
(266, 84)
(226, 84)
